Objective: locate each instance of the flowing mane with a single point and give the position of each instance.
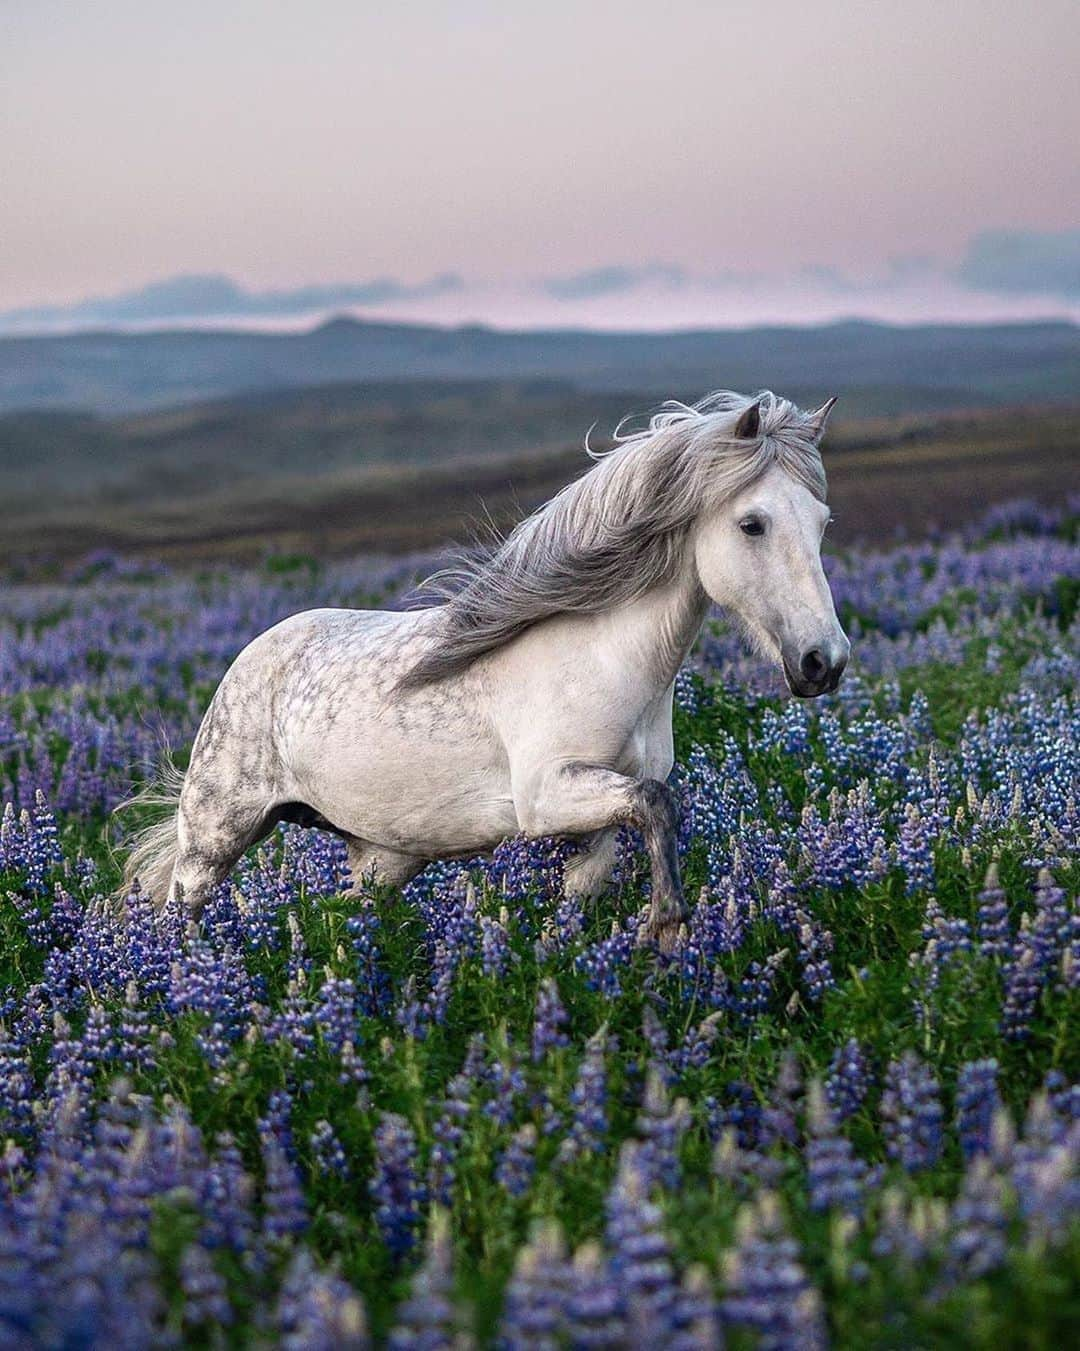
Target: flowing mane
(617, 531)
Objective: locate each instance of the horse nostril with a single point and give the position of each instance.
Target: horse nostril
(814, 667)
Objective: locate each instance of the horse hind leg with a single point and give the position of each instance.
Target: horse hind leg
(370, 863)
(589, 872)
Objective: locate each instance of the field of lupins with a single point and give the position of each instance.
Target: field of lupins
(844, 1112)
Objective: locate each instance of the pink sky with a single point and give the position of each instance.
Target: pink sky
(510, 142)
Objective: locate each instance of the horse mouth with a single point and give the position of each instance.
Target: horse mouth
(802, 688)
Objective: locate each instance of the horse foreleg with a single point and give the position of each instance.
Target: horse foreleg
(217, 821)
(369, 863)
(577, 799)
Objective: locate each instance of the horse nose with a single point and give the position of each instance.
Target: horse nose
(813, 667)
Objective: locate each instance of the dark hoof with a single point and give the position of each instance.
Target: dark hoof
(667, 935)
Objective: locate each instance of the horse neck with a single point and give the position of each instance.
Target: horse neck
(655, 633)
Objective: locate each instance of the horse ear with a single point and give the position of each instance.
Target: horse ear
(749, 423)
(820, 416)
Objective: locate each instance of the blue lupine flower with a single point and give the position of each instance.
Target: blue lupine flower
(977, 1103)
(848, 1080)
(549, 1021)
(516, 1164)
(766, 1286)
(427, 1319)
(537, 1295)
(911, 1113)
(397, 1193)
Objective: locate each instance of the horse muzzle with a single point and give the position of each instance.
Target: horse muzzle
(816, 671)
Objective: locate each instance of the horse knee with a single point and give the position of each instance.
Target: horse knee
(654, 807)
(572, 799)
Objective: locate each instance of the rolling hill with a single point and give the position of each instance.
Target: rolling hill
(883, 369)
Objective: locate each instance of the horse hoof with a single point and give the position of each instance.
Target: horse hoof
(665, 936)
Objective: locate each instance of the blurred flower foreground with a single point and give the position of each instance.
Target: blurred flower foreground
(842, 1113)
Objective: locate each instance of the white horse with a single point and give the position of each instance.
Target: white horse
(538, 696)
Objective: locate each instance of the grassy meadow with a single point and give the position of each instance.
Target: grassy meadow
(845, 1111)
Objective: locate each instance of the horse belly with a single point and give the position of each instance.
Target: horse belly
(419, 772)
(414, 799)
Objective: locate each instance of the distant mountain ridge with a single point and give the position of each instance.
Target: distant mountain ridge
(910, 368)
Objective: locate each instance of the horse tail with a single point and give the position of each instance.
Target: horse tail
(152, 853)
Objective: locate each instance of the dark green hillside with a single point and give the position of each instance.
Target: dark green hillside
(899, 369)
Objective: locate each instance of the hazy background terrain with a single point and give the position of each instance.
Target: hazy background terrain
(349, 279)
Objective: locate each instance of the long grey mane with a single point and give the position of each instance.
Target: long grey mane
(619, 530)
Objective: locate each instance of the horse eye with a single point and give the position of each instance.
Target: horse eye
(752, 526)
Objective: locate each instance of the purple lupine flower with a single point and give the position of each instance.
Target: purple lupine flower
(601, 963)
(594, 1310)
(448, 1132)
(227, 1194)
(767, 1289)
(687, 692)
(695, 1315)
(911, 1113)
(815, 947)
(661, 1125)
(977, 1103)
(656, 1038)
(537, 1294)
(758, 984)
(427, 1320)
(396, 1191)
(206, 1300)
(352, 1068)
(148, 947)
(217, 986)
(992, 916)
(588, 1100)
(975, 1244)
(294, 1024)
(548, 1021)
(495, 953)
(327, 1152)
(1063, 1097)
(98, 1039)
(743, 1168)
(16, 1085)
(947, 936)
(41, 844)
(741, 1113)
(285, 1210)
(318, 1311)
(516, 1164)
(848, 1080)
(778, 1117)
(277, 1120)
(135, 1045)
(640, 1253)
(373, 985)
(915, 850)
(1045, 1167)
(1024, 982)
(569, 919)
(909, 1230)
(836, 1179)
(507, 1082)
(698, 1043)
(1035, 955)
(336, 1012)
